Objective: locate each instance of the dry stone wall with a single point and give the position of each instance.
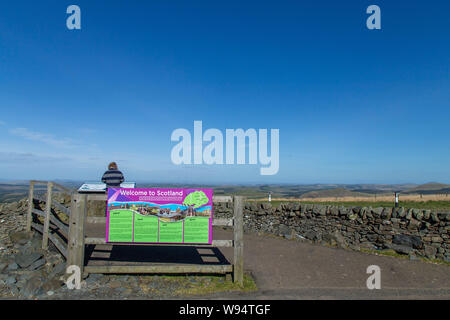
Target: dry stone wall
(414, 232)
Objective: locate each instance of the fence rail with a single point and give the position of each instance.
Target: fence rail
(52, 228)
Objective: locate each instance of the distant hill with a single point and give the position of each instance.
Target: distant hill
(430, 188)
(14, 190)
(379, 188)
(336, 192)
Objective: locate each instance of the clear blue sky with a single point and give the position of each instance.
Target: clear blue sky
(353, 105)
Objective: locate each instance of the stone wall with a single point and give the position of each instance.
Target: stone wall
(415, 232)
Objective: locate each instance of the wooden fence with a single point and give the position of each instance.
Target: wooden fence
(74, 246)
(53, 228)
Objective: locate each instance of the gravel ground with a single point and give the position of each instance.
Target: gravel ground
(282, 269)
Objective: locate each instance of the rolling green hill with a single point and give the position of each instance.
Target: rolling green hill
(430, 188)
(336, 192)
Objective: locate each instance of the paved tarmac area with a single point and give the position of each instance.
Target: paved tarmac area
(291, 269)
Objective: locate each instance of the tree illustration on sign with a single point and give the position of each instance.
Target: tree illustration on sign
(196, 199)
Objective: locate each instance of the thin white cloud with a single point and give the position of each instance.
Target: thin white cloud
(2, 123)
(87, 131)
(43, 137)
(28, 157)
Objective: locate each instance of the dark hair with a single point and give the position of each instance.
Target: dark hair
(112, 166)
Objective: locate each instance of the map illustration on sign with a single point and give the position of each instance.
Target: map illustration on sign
(159, 215)
(196, 199)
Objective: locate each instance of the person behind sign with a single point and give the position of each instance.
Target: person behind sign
(113, 177)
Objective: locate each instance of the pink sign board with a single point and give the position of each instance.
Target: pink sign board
(159, 216)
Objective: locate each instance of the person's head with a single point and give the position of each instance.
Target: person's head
(112, 166)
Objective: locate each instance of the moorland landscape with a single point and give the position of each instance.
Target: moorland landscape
(432, 195)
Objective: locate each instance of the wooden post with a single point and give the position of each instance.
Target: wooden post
(238, 268)
(75, 252)
(30, 206)
(48, 212)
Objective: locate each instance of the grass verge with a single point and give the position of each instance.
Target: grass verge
(392, 253)
(443, 206)
(188, 286)
(213, 284)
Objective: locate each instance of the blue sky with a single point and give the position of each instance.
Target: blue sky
(352, 105)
